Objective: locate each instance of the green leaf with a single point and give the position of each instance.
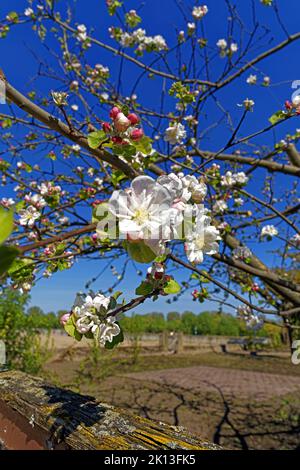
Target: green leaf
(116, 177)
(117, 294)
(172, 287)
(144, 145)
(140, 252)
(96, 138)
(116, 340)
(144, 288)
(21, 269)
(7, 257)
(278, 116)
(71, 329)
(6, 223)
(124, 150)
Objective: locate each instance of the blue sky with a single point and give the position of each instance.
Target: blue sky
(20, 66)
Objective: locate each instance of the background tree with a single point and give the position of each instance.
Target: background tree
(62, 161)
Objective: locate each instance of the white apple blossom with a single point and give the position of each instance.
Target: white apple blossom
(48, 189)
(59, 98)
(28, 12)
(191, 28)
(240, 178)
(199, 12)
(63, 220)
(141, 40)
(181, 36)
(222, 44)
(139, 35)
(202, 240)
(241, 252)
(252, 80)
(144, 210)
(296, 240)
(233, 47)
(239, 201)
(108, 330)
(7, 202)
(220, 206)
(227, 180)
(35, 200)
(173, 183)
(296, 100)
(25, 287)
(29, 216)
(81, 32)
(192, 186)
(126, 40)
(159, 42)
(269, 231)
(32, 236)
(76, 148)
(175, 133)
(267, 81)
(230, 179)
(253, 321)
(92, 316)
(248, 104)
(104, 96)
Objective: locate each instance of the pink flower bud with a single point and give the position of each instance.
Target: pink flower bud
(64, 318)
(137, 134)
(117, 140)
(114, 112)
(94, 237)
(106, 127)
(122, 123)
(133, 118)
(288, 105)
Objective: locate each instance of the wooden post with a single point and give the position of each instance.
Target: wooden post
(164, 339)
(179, 344)
(37, 415)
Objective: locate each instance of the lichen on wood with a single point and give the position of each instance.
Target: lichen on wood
(68, 420)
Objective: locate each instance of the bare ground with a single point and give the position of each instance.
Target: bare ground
(236, 400)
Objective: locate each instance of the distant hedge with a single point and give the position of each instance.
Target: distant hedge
(205, 323)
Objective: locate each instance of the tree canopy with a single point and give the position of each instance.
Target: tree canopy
(133, 147)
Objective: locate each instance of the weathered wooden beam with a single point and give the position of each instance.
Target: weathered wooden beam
(37, 415)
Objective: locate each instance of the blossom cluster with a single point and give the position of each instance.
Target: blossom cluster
(252, 80)
(199, 12)
(139, 39)
(231, 179)
(123, 127)
(269, 231)
(92, 317)
(155, 212)
(157, 278)
(226, 49)
(253, 322)
(175, 133)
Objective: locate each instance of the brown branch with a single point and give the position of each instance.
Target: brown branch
(259, 58)
(293, 155)
(269, 206)
(269, 165)
(58, 238)
(57, 125)
(135, 61)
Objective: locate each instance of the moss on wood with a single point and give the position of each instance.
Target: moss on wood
(80, 422)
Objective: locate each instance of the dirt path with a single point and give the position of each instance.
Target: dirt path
(238, 383)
